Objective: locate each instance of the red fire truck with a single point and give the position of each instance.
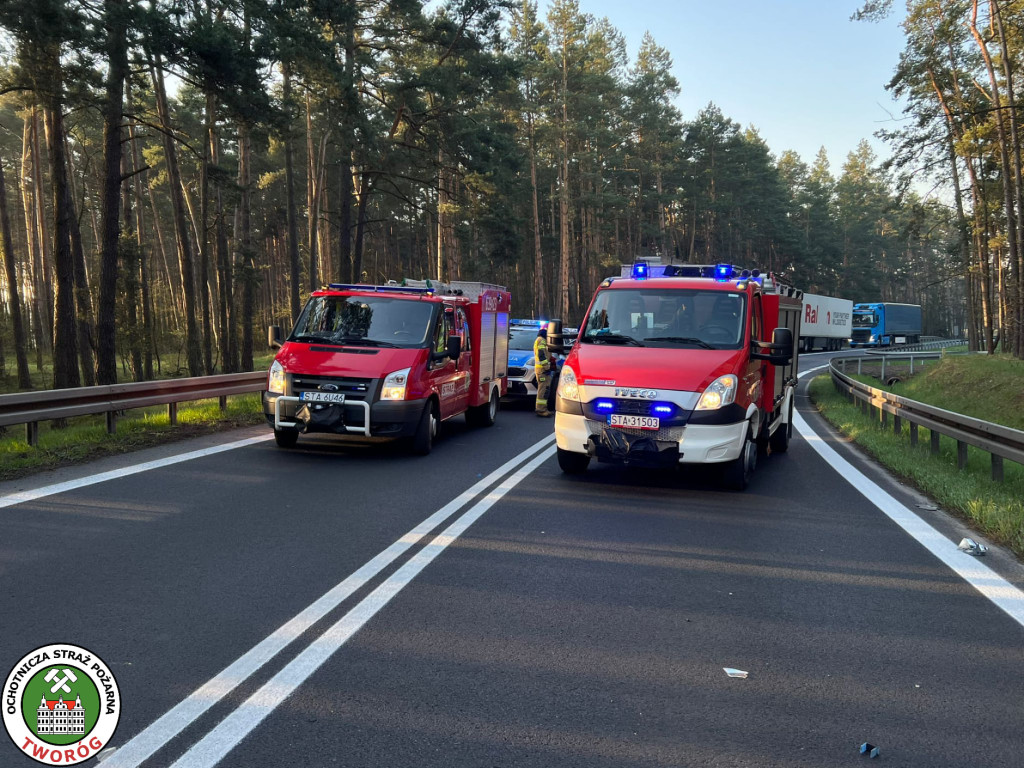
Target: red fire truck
(691, 364)
(390, 361)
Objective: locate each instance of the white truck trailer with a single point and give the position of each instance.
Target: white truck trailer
(825, 323)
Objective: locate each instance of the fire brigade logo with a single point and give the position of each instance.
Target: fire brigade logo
(61, 704)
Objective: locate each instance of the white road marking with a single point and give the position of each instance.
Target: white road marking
(21, 497)
(213, 747)
(142, 746)
(989, 583)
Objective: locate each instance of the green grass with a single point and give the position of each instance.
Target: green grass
(973, 386)
(86, 437)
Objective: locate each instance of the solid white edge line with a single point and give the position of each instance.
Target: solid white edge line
(21, 497)
(213, 747)
(989, 583)
(148, 741)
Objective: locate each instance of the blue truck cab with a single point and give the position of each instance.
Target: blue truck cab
(885, 324)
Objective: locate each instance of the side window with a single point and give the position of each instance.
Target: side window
(442, 331)
(462, 323)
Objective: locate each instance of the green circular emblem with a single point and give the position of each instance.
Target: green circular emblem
(61, 704)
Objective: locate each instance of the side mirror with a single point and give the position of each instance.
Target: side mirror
(779, 351)
(454, 348)
(274, 338)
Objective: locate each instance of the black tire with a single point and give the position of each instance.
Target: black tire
(286, 438)
(426, 430)
(736, 473)
(573, 463)
(486, 414)
(779, 442)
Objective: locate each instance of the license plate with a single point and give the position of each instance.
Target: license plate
(633, 422)
(322, 397)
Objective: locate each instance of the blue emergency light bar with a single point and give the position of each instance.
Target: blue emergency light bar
(378, 288)
(640, 271)
(605, 406)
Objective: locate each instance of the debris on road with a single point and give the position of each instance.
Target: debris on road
(971, 547)
(108, 752)
(927, 507)
(870, 750)
(734, 672)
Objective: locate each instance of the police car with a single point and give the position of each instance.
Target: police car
(522, 376)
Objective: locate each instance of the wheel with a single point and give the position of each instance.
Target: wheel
(779, 442)
(426, 430)
(286, 438)
(573, 463)
(736, 473)
(484, 415)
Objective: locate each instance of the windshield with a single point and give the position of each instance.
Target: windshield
(695, 318)
(522, 338)
(864, 319)
(371, 320)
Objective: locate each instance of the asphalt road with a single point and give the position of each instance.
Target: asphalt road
(560, 621)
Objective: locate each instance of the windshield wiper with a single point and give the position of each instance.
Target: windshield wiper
(683, 340)
(363, 341)
(615, 338)
(307, 338)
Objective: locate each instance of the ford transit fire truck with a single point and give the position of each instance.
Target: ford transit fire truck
(390, 361)
(681, 364)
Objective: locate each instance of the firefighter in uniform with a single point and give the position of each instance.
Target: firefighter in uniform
(542, 365)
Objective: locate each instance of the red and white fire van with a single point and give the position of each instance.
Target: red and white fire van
(390, 361)
(681, 364)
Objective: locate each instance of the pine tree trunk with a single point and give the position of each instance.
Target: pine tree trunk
(149, 340)
(292, 214)
(13, 294)
(65, 336)
(193, 347)
(34, 259)
(539, 293)
(44, 271)
(246, 260)
(204, 234)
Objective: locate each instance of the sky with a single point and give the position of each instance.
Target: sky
(799, 71)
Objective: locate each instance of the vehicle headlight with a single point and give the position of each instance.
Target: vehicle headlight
(722, 391)
(531, 362)
(394, 385)
(568, 389)
(276, 378)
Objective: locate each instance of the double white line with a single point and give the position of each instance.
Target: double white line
(212, 748)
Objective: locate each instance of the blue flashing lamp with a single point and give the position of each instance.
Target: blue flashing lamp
(604, 406)
(640, 271)
(723, 272)
(666, 409)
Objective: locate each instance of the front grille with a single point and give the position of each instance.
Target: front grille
(669, 434)
(516, 372)
(860, 334)
(352, 388)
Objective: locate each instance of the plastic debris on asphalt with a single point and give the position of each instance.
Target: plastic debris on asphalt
(971, 547)
(108, 752)
(734, 672)
(927, 507)
(870, 750)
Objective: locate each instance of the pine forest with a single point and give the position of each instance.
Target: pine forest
(175, 176)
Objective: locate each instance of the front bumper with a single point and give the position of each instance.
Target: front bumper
(523, 386)
(391, 419)
(695, 443)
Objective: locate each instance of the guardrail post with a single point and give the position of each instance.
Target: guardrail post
(883, 369)
(864, 407)
(997, 468)
(913, 434)
(885, 416)
(935, 443)
(911, 365)
(223, 402)
(961, 454)
(860, 360)
(111, 422)
(172, 413)
(897, 425)
(32, 433)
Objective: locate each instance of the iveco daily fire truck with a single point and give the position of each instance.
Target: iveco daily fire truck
(691, 364)
(390, 361)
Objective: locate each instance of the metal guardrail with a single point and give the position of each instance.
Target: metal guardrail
(29, 408)
(995, 439)
(935, 344)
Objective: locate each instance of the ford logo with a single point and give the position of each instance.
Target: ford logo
(329, 387)
(642, 394)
